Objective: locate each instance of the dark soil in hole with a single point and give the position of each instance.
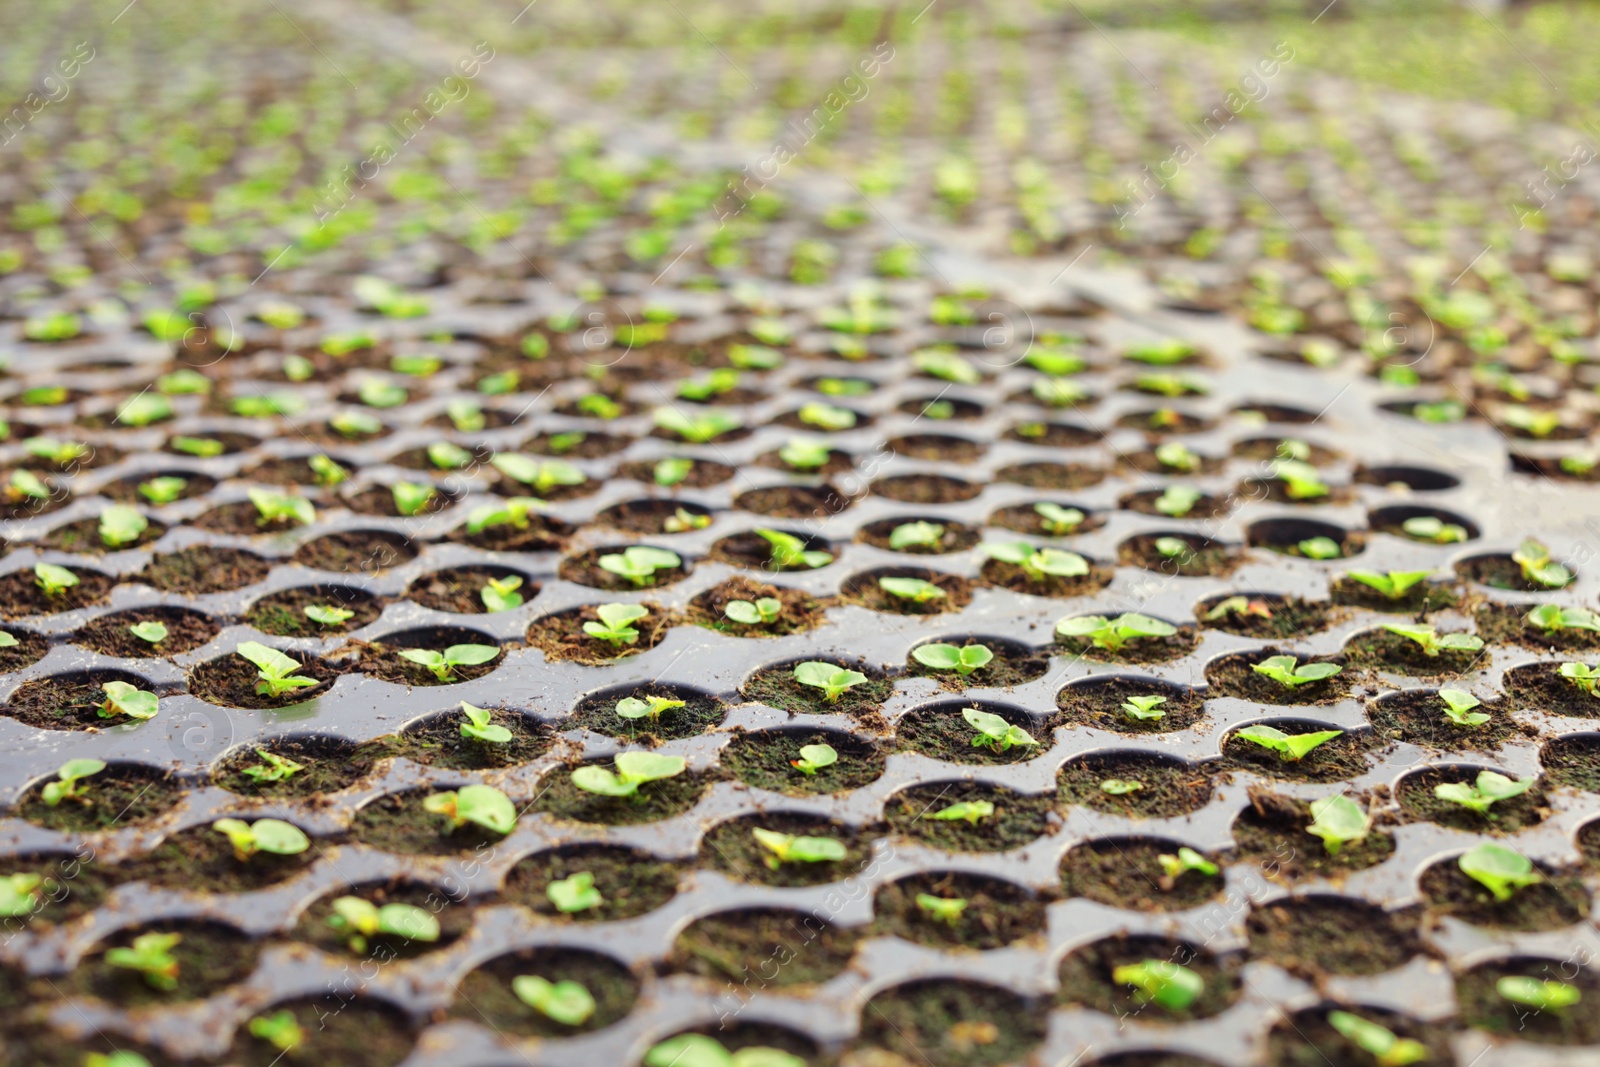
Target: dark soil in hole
(68, 701)
(73, 884)
(631, 882)
(1167, 787)
(20, 510)
(1145, 462)
(379, 500)
(1012, 577)
(1418, 801)
(122, 795)
(925, 489)
(397, 822)
(1234, 675)
(1504, 624)
(453, 920)
(29, 649)
(1284, 536)
(1206, 507)
(1098, 701)
(486, 997)
(230, 680)
(1164, 421)
(110, 636)
(1572, 761)
(732, 848)
(1272, 834)
(1480, 1005)
(751, 550)
(1383, 650)
(927, 1022)
(204, 569)
(998, 912)
(1013, 664)
(1391, 520)
(1086, 979)
(1053, 435)
(242, 519)
(83, 537)
(936, 448)
(959, 410)
(1419, 479)
(382, 659)
(794, 501)
(1320, 935)
(201, 860)
(231, 442)
(283, 614)
(20, 594)
(663, 799)
(1138, 650)
(1539, 686)
(865, 590)
(1337, 758)
(1200, 558)
(1497, 572)
(1307, 1039)
(290, 470)
(1285, 616)
(126, 490)
(799, 947)
(543, 533)
(598, 712)
(1023, 519)
(329, 765)
(1127, 873)
(941, 731)
(437, 742)
(775, 687)
(1051, 475)
(838, 462)
(703, 475)
(350, 1031)
(356, 551)
(765, 759)
(417, 459)
(801, 611)
(1550, 467)
(561, 636)
(458, 589)
(955, 537)
(1559, 901)
(1018, 819)
(585, 569)
(591, 445)
(210, 956)
(1266, 450)
(1418, 715)
(1418, 601)
(647, 517)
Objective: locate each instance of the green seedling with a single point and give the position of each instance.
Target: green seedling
(275, 671)
(501, 593)
(814, 758)
(720, 381)
(916, 535)
(325, 471)
(416, 366)
(1161, 353)
(696, 1050)
(758, 612)
(359, 921)
(1112, 634)
(1177, 500)
(377, 393)
(562, 443)
(52, 326)
(298, 368)
(514, 512)
(1056, 520)
(755, 357)
(633, 769)
(272, 836)
(8, 641)
(993, 732)
(66, 786)
(1144, 708)
(640, 563)
(1058, 392)
(61, 453)
(475, 726)
(1319, 548)
(945, 910)
(274, 507)
(1429, 528)
(1458, 706)
(1120, 787)
(163, 489)
(1339, 821)
(788, 848)
(143, 409)
(1500, 870)
(412, 498)
(826, 416)
(831, 679)
(599, 406)
(683, 520)
(1432, 642)
(946, 366)
(53, 579)
(481, 805)
(566, 1002)
(1552, 619)
(448, 456)
(1385, 1047)
(124, 698)
(1175, 455)
(339, 345)
(614, 623)
(1055, 362)
(703, 427)
(443, 664)
(1241, 606)
(1394, 585)
(26, 485)
(971, 812)
(671, 470)
(1439, 411)
(551, 474)
(1160, 982)
(1172, 547)
(151, 631)
(44, 395)
(201, 447)
(650, 707)
(328, 616)
(1538, 568)
(151, 956)
(1538, 994)
(1291, 748)
(272, 768)
(1581, 675)
(962, 660)
(466, 415)
(804, 455)
(1282, 669)
(1170, 385)
(845, 386)
(574, 894)
(916, 590)
(19, 895)
(278, 1030)
(790, 553)
(267, 405)
(1490, 788)
(1187, 860)
(1038, 564)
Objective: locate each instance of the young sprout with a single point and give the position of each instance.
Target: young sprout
(151, 956)
(377, 393)
(272, 768)
(1581, 675)
(640, 563)
(599, 406)
(1432, 641)
(813, 758)
(650, 707)
(790, 553)
(1429, 528)
(513, 512)
(1112, 634)
(1161, 982)
(143, 408)
(916, 535)
(448, 456)
(1500, 870)
(696, 1050)
(475, 726)
(1161, 353)
(1282, 669)
(1175, 455)
(574, 894)
(633, 769)
(827, 417)
(121, 524)
(787, 848)
(1537, 994)
(264, 835)
(151, 631)
(1489, 788)
(1383, 1044)
(1056, 520)
(946, 366)
(1177, 500)
(1291, 748)
(326, 472)
(68, 775)
(1338, 820)
(703, 427)
(683, 520)
(412, 498)
(1537, 567)
(971, 812)
(1552, 619)
(56, 451)
(1120, 787)
(1394, 585)
(501, 593)
(671, 470)
(1458, 706)
(26, 485)
(1319, 548)
(565, 1002)
(281, 507)
(941, 909)
(614, 623)
(358, 921)
(994, 732)
(1172, 547)
(720, 381)
(916, 590)
(832, 680)
(805, 455)
(202, 447)
(1038, 564)
(551, 474)
(275, 671)
(1186, 860)
(466, 415)
(1058, 392)
(52, 579)
(1241, 606)
(124, 698)
(756, 612)
(19, 894)
(278, 1030)
(326, 615)
(963, 660)
(754, 357)
(1144, 708)
(443, 664)
(163, 489)
(481, 805)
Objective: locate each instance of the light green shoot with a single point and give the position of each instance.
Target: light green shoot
(326, 615)
(264, 835)
(1339, 821)
(121, 524)
(574, 894)
(1038, 564)
(163, 489)
(151, 956)
(443, 664)
(272, 768)
(1056, 520)
(501, 593)
(1120, 787)
(1430, 528)
(994, 732)
(280, 1030)
(967, 811)
(963, 661)
(758, 612)
(1393, 585)
(671, 470)
(1538, 994)
(1500, 870)
(814, 758)
(1144, 708)
(275, 671)
(151, 631)
(1581, 675)
(1537, 566)
(640, 563)
(1291, 748)
(281, 507)
(788, 848)
(566, 1002)
(1282, 670)
(697, 1050)
(412, 498)
(53, 579)
(361, 920)
(1458, 705)
(831, 679)
(124, 698)
(1433, 642)
(1382, 1044)
(633, 769)
(1112, 634)
(481, 805)
(614, 625)
(916, 535)
(475, 726)
(790, 553)
(66, 786)
(917, 590)
(945, 910)
(1319, 548)
(1489, 788)
(1161, 982)
(1553, 619)
(1187, 859)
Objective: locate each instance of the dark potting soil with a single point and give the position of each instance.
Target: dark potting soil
(210, 958)
(379, 500)
(458, 589)
(1204, 507)
(1025, 520)
(1199, 558)
(1233, 675)
(20, 593)
(998, 912)
(397, 822)
(560, 636)
(242, 519)
(1420, 599)
(754, 551)
(1418, 716)
(585, 569)
(1097, 702)
(1012, 577)
(1337, 758)
(353, 1031)
(122, 795)
(437, 742)
(382, 659)
(765, 759)
(1559, 901)
(925, 489)
(328, 764)
(776, 687)
(453, 917)
(942, 732)
(69, 701)
(1167, 787)
(83, 537)
(598, 712)
(110, 634)
(1497, 571)
(1382, 650)
(1070, 476)
(204, 569)
(1307, 1039)
(1269, 616)
(1127, 873)
(663, 799)
(948, 1022)
(1415, 792)
(863, 589)
(801, 611)
(231, 680)
(539, 533)
(1138, 650)
(1014, 663)
(1540, 687)
(1313, 936)
(1572, 761)
(703, 474)
(29, 649)
(794, 501)
(356, 551)
(1019, 819)
(953, 537)
(799, 948)
(126, 490)
(283, 613)
(72, 884)
(1481, 1006)
(648, 518)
